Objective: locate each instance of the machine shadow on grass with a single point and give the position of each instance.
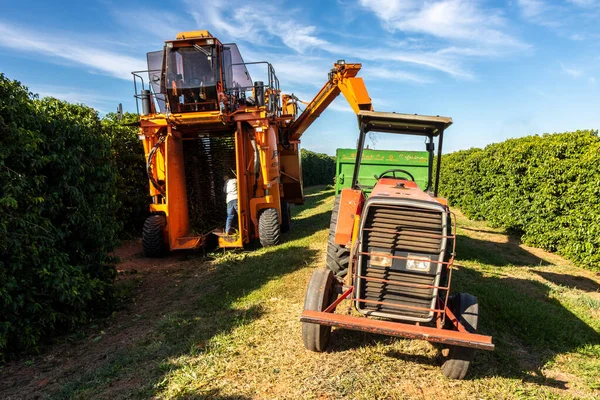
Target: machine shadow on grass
(498, 254)
(530, 327)
(218, 311)
(570, 281)
(217, 306)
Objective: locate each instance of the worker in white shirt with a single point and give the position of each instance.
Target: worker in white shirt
(231, 193)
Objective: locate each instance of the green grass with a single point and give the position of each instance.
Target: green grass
(237, 334)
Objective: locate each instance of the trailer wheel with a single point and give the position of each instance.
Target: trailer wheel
(459, 359)
(153, 236)
(319, 294)
(338, 256)
(269, 231)
(286, 217)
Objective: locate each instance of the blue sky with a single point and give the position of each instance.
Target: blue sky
(500, 69)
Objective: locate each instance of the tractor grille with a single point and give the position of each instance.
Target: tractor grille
(402, 231)
(207, 160)
(395, 294)
(416, 229)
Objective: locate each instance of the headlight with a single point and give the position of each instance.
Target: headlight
(418, 263)
(381, 259)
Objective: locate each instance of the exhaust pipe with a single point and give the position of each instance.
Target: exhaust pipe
(145, 96)
(259, 93)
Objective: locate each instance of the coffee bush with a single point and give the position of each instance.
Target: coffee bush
(545, 188)
(58, 201)
(317, 168)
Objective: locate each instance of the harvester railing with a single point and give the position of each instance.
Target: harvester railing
(155, 97)
(273, 84)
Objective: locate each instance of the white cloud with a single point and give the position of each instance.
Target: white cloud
(250, 22)
(79, 53)
(566, 18)
(435, 60)
(532, 8)
(212, 11)
(457, 20)
(245, 22)
(573, 72)
(291, 70)
(301, 39)
(584, 3)
(159, 24)
(540, 12)
(394, 75)
(341, 105)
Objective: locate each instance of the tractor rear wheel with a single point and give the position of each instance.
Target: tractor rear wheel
(320, 293)
(269, 231)
(338, 256)
(286, 217)
(465, 308)
(153, 236)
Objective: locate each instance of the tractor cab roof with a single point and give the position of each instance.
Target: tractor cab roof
(411, 124)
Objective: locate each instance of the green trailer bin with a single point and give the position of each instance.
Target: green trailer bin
(374, 162)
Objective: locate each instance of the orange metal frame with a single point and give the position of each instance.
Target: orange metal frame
(279, 166)
(351, 202)
(439, 334)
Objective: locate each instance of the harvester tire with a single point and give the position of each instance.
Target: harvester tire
(153, 236)
(459, 359)
(286, 217)
(338, 256)
(269, 231)
(319, 294)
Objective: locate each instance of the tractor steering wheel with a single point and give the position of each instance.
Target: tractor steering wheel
(393, 172)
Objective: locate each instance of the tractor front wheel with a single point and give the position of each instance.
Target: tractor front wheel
(153, 236)
(338, 256)
(465, 308)
(320, 293)
(286, 217)
(269, 231)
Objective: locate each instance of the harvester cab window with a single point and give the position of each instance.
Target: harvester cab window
(155, 59)
(191, 78)
(237, 79)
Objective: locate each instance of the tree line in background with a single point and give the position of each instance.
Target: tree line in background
(544, 188)
(317, 168)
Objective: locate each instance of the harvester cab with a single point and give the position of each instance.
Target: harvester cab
(203, 119)
(390, 253)
(191, 78)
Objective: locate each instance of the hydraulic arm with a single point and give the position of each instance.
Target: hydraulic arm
(342, 78)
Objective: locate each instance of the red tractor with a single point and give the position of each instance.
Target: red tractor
(391, 256)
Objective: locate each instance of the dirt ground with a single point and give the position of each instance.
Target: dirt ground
(152, 289)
